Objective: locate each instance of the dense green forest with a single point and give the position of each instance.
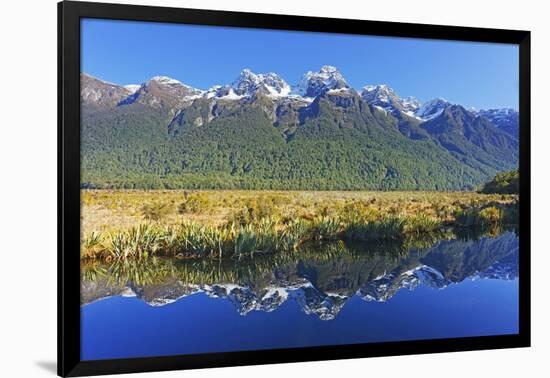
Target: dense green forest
(503, 183)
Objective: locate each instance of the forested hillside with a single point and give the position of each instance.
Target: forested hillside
(256, 134)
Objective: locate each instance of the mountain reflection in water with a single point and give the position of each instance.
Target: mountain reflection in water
(320, 278)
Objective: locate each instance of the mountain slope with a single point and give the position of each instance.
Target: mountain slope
(258, 134)
(315, 83)
(386, 99)
(100, 94)
(472, 138)
(505, 119)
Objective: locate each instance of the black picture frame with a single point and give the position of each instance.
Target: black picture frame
(69, 15)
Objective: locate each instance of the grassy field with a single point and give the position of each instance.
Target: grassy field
(136, 224)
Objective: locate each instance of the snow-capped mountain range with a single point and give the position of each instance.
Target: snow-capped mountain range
(166, 91)
(464, 148)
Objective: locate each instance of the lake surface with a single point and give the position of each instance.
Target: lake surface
(324, 294)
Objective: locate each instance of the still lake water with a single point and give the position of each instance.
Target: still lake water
(322, 295)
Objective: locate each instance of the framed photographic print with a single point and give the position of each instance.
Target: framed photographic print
(239, 188)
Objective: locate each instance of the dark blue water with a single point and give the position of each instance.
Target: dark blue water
(453, 289)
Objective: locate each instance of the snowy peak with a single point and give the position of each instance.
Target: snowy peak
(248, 83)
(411, 103)
(168, 83)
(432, 109)
(385, 98)
(275, 85)
(381, 93)
(327, 78)
(165, 80)
(132, 88)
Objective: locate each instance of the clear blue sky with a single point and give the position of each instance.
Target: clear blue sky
(481, 75)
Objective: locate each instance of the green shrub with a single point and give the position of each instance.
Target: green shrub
(263, 236)
(421, 223)
(325, 228)
(92, 245)
(503, 183)
(192, 204)
(387, 228)
(195, 239)
(138, 242)
(253, 213)
(293, 234)
(156, 211)
(490, 216)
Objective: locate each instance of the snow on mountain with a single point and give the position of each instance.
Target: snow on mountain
(411, 104)
(380, 93)
(506, 119)
(100, 93)
(175, 85)
(275, 85)
(163, 92)
(173, 95)
(498, 114)
(132, 87)
(159, 91)
(432, 109)
(222, 92)
(313, 84)
(248, 83)
(385, 98)
(166, 80)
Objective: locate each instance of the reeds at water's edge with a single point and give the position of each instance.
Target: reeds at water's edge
(272, 233)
